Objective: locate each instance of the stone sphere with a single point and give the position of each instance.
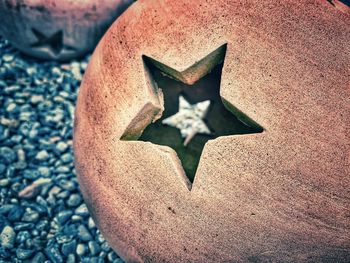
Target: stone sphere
(58, 30)
(281, 195)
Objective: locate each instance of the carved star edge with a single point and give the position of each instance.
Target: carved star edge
(53, 44)
(189, 76)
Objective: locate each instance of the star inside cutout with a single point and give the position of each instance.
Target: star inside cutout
(189, 119)
(52, 44)
(193, 114)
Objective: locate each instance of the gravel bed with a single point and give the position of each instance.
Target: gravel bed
(43, 217)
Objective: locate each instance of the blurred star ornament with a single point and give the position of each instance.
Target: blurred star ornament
(57, 30)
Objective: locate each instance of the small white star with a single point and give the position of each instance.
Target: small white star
(189, 119)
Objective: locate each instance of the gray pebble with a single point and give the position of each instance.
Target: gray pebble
(94, 247)
(112, 256)
(39, 258)
(4, 209)
(83, 233)
(63, 216)
(96, 260)
(35, 99)
(4, 182)
(53, 254)
(69, 248)
(71, 258)
(82, 210)
(62, 239)
(67, 158)
(105, 247)
(76, 218)
(24, 253)
(61, 146)
(22, 236)
(44, 171)
(15, 213)
(8, 155)
(62, 169)
(23, 226)
(67, 185)
(7, 58)
(31, 174)
(2, 168)
(42, 155)
(81, 249)
(30, 216)
(91, 223)
(63, 195)
(7, 237)
(74, 200)
(11, 107)
(41, 225)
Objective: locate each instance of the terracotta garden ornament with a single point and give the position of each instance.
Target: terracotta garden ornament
(218, 131)
(59, 30)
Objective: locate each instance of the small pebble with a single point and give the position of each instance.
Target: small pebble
(4, 182)
(67, 158)
(15, 213)
(91, 223)
(74, 200)
(69, 248)
(11, 107)
(112, 256)
(7, 58)
(39, 258)
(42, 155)
(2, 168)
(35, 99)
(63, 216)
(30, 216)
(8, 155)
(7, 237)
(44, 171)
(67, 185)
(82, 210)
(61, 146)
(54, 254)
(81, 249)
(94, 248)
(24, 253)
(71, 258)
(83, 233)
(23, 226)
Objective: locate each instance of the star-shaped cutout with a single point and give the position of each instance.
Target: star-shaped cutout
(187, 124)
(53, 44)
(189, 119)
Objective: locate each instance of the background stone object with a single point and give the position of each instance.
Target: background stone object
(58, 30)
(281, 195)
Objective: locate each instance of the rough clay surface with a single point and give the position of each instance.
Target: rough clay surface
(282, 195)
(82, 22)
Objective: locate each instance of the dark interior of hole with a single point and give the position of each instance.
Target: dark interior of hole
(220, 121)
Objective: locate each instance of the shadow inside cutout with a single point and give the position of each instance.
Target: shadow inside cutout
(219, 119)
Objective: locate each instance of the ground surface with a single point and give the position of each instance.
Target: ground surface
(42, 214)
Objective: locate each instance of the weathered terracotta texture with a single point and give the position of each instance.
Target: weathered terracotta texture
(72, 27)
(281, 195)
